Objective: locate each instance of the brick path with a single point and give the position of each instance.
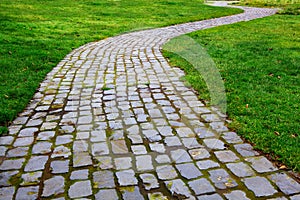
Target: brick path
(114, 121)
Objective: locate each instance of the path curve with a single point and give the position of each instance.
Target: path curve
(113, 120)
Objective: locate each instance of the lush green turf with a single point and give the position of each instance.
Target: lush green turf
(36, 35)
(260, 64)
(287, 6)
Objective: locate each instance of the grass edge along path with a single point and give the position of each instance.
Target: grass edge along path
(35, 37)
(259, 63)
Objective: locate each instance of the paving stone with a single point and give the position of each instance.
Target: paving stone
(165, 130)
(201, 186)
(80, 189)
(210, 197)
(42, 148)
(214, 143)
(210, 117)
(236, 194)
(133, 130)
(3, 150)
(34, 122)
(6, 140)
(7, 193)
(226, 156)
(155, 113)
(31, 178)
(138, 149)
(27, 193)
(81, 159)
(178, 188)
(98, 136)
(103, 179)
(172, 141)
(149, 181)
(104, 162)
(82, 135)
(119, 147)
(232, 138)
(144, 163)
(123, 163)
(135, 139)
(28, 132)
(180, 156)
(53, 186)
(203, 132)
(221, 179)
(157, 147)
(246, 150)
(295, 197)
(157, 196)
(185, 132)
(188, 170)
(261, 164)
(166, 172)
(17, 152)
(126, 178)
(46, 135)
(285, 183)
(61, 151)
(152, 135)
(36, 163)
(63, 139)
(80, 174)
(198, 154)
(240, 169)
(108, 194)
(260, 186)
(100, 149)
(191, 143)
(24, 141)
(59, 166)
(219, 127)
(48, 126)
(161, 159)
(5, 178)
(130, 193)
(12, 164)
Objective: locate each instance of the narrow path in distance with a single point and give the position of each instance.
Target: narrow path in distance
(114, 121)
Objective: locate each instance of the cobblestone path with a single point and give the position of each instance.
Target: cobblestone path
(114, 121)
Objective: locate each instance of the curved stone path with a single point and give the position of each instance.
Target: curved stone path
(114, 121)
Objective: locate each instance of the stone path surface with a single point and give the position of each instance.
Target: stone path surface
(114, 121)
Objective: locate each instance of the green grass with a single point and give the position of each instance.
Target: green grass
(35, 36)
(260, 65)
(287, 6)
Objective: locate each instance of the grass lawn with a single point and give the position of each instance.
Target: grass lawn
(260, 64)
(35, 36)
